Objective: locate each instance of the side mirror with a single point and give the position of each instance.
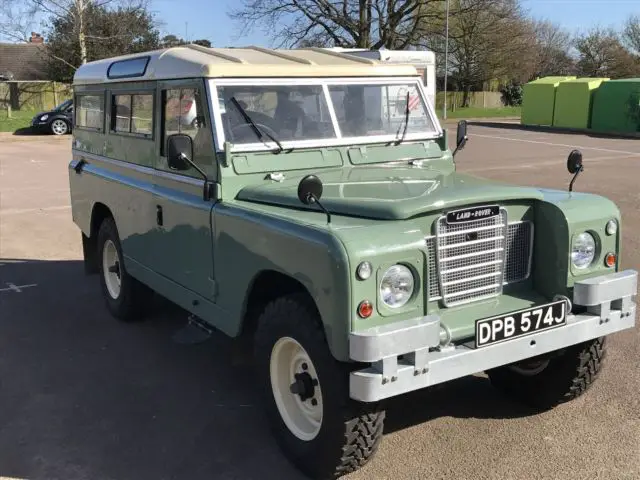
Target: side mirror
(309, 189)
(461, 135)
(179, 151)
(574, 165)
(574, 162)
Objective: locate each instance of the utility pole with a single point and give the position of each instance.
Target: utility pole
(446, 60)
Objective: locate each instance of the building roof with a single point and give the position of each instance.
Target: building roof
(23, 61)
(191, 60)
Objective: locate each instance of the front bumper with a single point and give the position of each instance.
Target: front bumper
(609, 308)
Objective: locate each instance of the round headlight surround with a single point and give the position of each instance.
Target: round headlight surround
(583, 250)
(397, 286)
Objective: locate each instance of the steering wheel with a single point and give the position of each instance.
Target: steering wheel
(261, 126)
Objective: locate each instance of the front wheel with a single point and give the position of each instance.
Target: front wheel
(59, 127)
(306, 393)
(547, 381)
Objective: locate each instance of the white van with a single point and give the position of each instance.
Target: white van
(423, 60)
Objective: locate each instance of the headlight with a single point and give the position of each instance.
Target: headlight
(396, 286)
(44, 117)
(583, 250)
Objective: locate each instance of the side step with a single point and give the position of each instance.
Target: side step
(194, 332)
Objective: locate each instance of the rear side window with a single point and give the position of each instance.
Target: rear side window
(132, 113)
(89, 112)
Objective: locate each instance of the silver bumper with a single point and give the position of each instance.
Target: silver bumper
(610, 308)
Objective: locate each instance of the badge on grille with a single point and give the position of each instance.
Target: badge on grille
(474, 213)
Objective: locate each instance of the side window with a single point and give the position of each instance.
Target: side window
(132, 113)
(121, 118)
(183, 112)
(89, 112)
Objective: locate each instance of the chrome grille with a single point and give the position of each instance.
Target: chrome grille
(474, 269)
(519, 250)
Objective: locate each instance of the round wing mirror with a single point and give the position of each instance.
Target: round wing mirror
(574, 162)
(309, 189)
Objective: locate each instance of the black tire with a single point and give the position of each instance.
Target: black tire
(134, 298)
(350, 432)
(568, 375)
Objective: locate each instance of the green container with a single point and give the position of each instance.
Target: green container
(538, 100)
(574, 102)
(616, 106)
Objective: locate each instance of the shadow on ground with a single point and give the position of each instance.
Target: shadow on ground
(85, 396)
(26, 131)
(543, 129)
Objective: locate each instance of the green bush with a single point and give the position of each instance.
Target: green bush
(512, 94)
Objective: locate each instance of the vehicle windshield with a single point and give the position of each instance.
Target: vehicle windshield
(364, 111)
(370, 110)
(291, 112)
(63, 106)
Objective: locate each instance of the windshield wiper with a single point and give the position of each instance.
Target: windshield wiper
(406, 123)
(254, 127)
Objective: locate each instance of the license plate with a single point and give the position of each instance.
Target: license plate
(512, 325)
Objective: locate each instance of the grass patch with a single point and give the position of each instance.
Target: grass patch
(19, 119)
(476, 112)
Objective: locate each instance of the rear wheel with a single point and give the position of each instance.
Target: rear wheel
(306, 393)
(59, 127)
(126, 297)
(546, 381)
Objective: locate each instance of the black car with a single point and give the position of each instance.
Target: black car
(57, 121)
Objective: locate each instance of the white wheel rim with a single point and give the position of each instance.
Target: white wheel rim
(59, 127)
(302, 417)
(111, 269)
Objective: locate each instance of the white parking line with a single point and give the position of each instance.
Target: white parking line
(17, 288)
(559, 161)
(608, 150)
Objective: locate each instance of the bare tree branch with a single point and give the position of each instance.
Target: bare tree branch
(347, 23)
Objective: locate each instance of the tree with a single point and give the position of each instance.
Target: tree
(478, 47)
(372, 24)
(170, 40)
(631, 34)
(552, 47)
(602, 54)
(108, 33)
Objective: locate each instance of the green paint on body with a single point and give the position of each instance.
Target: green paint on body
(216, 257)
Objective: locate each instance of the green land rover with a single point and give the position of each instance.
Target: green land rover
(308, 200)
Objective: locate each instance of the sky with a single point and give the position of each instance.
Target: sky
(195, 19)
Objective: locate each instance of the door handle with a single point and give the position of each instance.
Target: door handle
(159, 216)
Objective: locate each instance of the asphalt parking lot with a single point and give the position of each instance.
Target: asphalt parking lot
(85, 397)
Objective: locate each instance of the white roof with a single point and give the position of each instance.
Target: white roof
(413, 57)
(189, 61)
